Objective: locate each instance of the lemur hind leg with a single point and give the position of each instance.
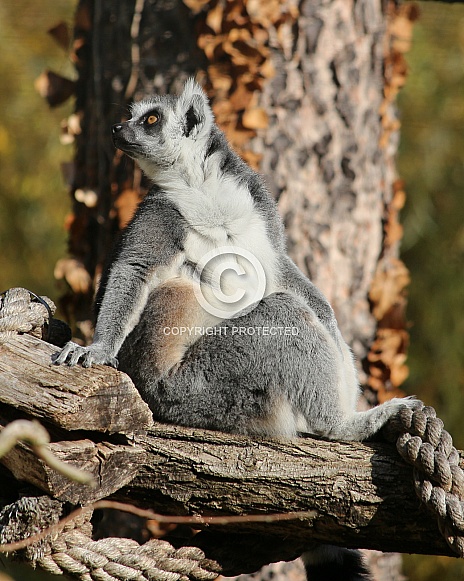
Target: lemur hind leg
(167, 327)
(273, 371)
(259, 373)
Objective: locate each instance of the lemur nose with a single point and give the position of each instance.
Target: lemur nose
(116, 128)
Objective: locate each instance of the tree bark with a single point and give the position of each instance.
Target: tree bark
(122, 50)
(322, 152)
(355, 493)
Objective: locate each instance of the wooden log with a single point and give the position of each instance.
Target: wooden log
(112, 466)
(354, 494)
(98, 399)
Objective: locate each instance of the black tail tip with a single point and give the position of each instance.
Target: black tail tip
(327, 563)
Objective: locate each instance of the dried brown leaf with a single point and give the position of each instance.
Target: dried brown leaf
(195, 5)
(242, 97)
(376, 384)
(212, 45)
(243, 50)
(75, 274)
(215, 17)
(60, 33)
(223, 111)
(387, 368)
(389, 282)
(401, 27)
(256, 118)
(399, 371)
(219, 76)
(399, 199)
(236, 13)
(125, 205)
(54, 88)
(393, 232)
(236, 34)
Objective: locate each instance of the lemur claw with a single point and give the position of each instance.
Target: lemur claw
(72, 354)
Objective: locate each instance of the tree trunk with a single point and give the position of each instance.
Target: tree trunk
(298, 88)
(122, 50)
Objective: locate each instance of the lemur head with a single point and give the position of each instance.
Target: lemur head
(162, 127)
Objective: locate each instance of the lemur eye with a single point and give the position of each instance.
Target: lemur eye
(152, 119)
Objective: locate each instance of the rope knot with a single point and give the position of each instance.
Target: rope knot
(22, 311)
(439, 481)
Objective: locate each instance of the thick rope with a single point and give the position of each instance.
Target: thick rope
(21, 315)
(423, 442)
(118, 559)
(22, 311)
(72, 551)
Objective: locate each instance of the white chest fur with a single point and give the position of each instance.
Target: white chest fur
(227, 242)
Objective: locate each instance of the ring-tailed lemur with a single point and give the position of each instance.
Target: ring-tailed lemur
(178, 305)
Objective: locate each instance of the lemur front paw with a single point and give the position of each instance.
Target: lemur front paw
(72, 353)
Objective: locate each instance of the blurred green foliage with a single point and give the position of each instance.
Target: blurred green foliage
(33, 195)
(22, 572)
(431, 162)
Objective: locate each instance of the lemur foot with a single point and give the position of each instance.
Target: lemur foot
(392, 407)
(363, 425)
(72, 354)
(410, 401)
(394, 424)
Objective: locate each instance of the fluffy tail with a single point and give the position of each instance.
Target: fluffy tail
(328, 563)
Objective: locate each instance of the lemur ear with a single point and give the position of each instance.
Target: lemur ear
(194, 109)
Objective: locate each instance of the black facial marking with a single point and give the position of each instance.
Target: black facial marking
(213, 146)
(191, 121)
